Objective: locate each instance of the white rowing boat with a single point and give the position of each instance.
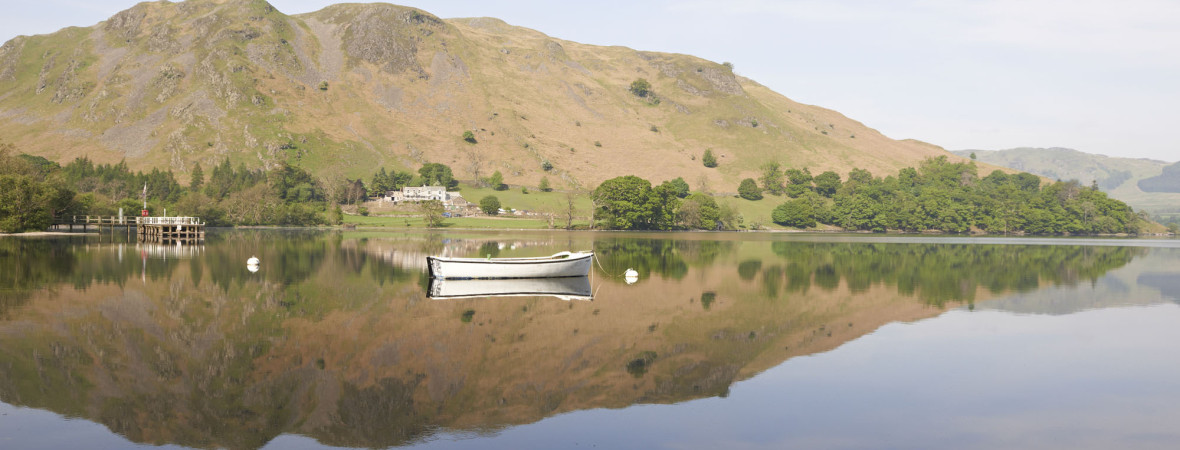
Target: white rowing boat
(565, 288)
(563, 264)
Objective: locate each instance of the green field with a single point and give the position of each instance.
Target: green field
(503, 223)
(753, 213)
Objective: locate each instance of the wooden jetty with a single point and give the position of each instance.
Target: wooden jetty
(169, 229)
(147, 229)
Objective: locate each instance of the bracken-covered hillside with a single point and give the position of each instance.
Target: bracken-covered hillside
(352, 87)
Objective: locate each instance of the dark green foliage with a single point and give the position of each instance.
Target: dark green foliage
(336, 215)
(699, 212)
(1114, 180)
(772, 179)
(707, 299)
(630, 203)
(638, 366)
(546, 165)
(27, 204)
(679, 186)
(383, 181)
(225, 179)
(437, 174)
(544, 185)
(799, 181)
(708, 160)
(827, 183)
(950, 197)
(796, 213)
(939, 273)
(490, 205)
(748, 269)
(640, 87)
(295, 185)
(467, 316)
(469, 137)
(749, 190)
(1168, 181)
(43, 167)
(197, 178)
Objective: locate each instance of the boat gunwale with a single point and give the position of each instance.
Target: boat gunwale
(526, 260)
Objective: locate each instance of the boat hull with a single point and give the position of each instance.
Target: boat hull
(571, 265)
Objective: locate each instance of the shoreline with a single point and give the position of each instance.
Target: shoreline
(50, 233)
(382, 228)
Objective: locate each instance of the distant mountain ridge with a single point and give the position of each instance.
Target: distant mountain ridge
(1122, 178)
(1168, 181)
(353, 87)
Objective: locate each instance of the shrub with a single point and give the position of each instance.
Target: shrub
(544, 187)
(749, 190)
(640, 87)
(546, 165)
(795, 213)
(363, 211)
(323, 85)
(708, 159)
(490, 205)
(496, 181)
(469, 136)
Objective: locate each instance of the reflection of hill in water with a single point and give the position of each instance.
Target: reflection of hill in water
(332, 340)
(1150, 279)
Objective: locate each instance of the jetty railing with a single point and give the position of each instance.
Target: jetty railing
(169, 220)
(147, 229)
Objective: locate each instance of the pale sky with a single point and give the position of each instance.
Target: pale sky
(1096, 76)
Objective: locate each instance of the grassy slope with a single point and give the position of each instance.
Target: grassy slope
(528, 98)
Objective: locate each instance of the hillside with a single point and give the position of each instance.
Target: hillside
(1119, 177)
(1167, 182)
(352, 87)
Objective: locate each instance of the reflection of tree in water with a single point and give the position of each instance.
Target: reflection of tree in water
(225, 370)
(669, 258)
(287, 257)
(30, 264)
(938, 272)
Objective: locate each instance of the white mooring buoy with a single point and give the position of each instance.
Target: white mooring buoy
(631, 276)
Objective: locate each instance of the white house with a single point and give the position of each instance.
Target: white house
(420, 194)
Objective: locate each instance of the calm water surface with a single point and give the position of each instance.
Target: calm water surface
(726, 341)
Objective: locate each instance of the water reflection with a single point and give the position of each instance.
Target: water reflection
(567, 288)
(333, 338)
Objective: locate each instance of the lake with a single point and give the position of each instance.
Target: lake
(727, 340)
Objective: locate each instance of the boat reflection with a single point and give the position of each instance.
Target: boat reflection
(567, 288)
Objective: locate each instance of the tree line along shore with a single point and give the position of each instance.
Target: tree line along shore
(938, 195)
